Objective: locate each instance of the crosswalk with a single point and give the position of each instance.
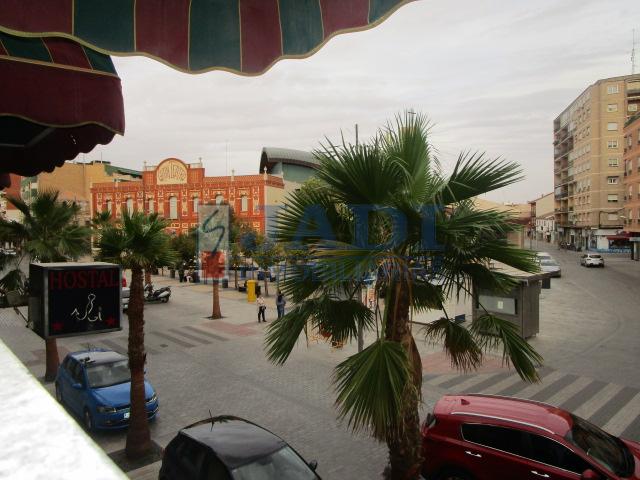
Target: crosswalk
(616, 408)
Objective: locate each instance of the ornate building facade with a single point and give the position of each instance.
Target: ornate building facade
(175, 189)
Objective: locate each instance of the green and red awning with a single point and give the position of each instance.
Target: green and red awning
(241, 36)
(61, 95)
(58, 99)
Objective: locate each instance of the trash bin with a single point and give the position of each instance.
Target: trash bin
(251, 290)
(225, 283)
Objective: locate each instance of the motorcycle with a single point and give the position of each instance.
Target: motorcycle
(161, 295)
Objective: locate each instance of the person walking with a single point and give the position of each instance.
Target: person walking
(280, 303)
(262, 307)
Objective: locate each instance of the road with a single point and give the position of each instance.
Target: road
(589, 338)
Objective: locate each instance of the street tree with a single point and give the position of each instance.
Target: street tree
(138, 243)
(369, 214)
(47, 232)
(267, 254)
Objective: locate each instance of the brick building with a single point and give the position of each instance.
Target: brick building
(174, 189)
(631, 197)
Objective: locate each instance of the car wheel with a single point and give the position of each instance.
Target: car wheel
(88, 420)
(454, 475)
(58, 394)
(165, 299)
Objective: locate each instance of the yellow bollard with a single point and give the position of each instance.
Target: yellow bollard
(251, 290)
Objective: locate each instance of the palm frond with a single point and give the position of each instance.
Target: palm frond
(283, 334)
(370, 386)
(459, 344)
(493, 332)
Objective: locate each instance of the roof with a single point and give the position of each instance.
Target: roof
(519, 275)
(507, 409)
(98, 356)
(234, 440)
(272, 155)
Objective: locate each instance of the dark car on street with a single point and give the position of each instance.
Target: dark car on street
(488, 437)
(230, 448)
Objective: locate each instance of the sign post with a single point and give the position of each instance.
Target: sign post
(69, 299)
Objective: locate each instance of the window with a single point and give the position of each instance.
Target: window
(501, 438)
(632, 107)
(612, 144)
(244, 203)
(219, 199)
(612, 180)
(614, 162)
(196, 200)
(612, 126)
(547, 451)
(129, 206)
(109, 206)
(150, 205)
(173, 208)
(612, 197)
(612, 89)
(612, 107)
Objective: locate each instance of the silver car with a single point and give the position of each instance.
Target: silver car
(548, 264)
(592, 260)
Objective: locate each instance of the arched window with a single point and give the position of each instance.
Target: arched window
(244, 203)
(173, 208)
(196, 200)
(150, 205)
(219, 199)
(130, 205)
(109, 206)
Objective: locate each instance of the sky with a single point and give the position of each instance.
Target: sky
(490, 74)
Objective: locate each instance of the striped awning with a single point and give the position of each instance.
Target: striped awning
(242, 36)
(58, 99)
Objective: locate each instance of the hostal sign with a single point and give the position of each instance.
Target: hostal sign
(67, 299)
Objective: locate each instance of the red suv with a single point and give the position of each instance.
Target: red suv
(485, 437)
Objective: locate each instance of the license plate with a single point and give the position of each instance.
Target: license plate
(126, 415)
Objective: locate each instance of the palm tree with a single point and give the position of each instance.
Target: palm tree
(379, 389)
(47, 232)
(137, 244)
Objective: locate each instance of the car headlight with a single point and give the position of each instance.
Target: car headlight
(103, 409)
(153, 398)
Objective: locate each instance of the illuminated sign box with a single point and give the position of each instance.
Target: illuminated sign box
(68, 299)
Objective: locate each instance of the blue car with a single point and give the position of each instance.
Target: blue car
(96, 386)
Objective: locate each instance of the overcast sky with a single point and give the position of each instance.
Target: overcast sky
(491, 74)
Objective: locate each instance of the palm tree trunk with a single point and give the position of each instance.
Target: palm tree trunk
(405, 454)
(215, 313)
(147, 276)
(138, 437)
(52, 358)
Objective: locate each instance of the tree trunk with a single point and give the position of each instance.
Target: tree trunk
(266, 287)
(215, 313)
(405, 453)
(235, 275)
(147, 276)
(53, 360)
(138, 437)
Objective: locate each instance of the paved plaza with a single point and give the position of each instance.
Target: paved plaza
(589, 337)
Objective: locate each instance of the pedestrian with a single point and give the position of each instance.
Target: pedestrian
(280, 303)
(181, 272)
(262, 307)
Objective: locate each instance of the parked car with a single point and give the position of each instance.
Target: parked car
(592, 260)
(96, 386)
(230, 448)
(486, 437)
(126, 293)
(548, 264)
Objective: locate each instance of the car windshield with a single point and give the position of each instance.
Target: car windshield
(106, 374)
(609, 451)
(283, 464)
(548, 261)
(595, 256)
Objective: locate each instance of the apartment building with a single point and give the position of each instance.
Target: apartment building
(631, 194)
(588, 165)
(543, 221)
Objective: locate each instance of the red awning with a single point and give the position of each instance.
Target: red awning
(58, 99)
(622, 236)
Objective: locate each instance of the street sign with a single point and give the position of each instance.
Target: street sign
(68, 299)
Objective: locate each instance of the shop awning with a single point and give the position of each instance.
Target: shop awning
(241, 36)
(58, 99)
(621, 236)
